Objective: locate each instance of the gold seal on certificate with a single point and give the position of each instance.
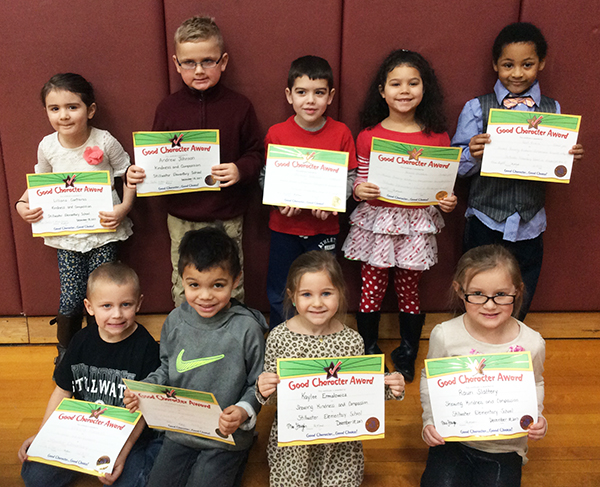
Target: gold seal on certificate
(83, 436)
(330, 400)
(412, 175)
(70, 201)
(530, 145)
(306, 178)
(176, 162)
(482, 397)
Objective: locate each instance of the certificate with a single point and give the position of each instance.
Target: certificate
(70, 201)
(182, 410)
(412, 175)
(306, 178)
(83, 436)
(482, 397)
(330, 400)
(530, 145)
(176, 162)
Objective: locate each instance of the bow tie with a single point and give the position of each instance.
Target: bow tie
(513, 102)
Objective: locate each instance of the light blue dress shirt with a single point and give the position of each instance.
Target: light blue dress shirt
(470, 123)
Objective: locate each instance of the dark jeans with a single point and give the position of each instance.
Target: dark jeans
(179, 466)
(135, 473)
(529, 254)
(457, 465)
(285, 249)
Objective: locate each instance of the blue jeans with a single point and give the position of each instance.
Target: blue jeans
(180, 466)
(284, 250)
(135, 473)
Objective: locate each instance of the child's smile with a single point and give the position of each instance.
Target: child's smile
(209, 291)
(403, 90)
(69, 116)
(518, 66)
(309, 98)
(317, 301)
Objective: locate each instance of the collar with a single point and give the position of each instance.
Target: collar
(209, 94)
(534, 92)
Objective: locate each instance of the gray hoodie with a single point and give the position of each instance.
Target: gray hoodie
(233, 342)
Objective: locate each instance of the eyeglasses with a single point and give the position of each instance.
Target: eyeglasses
(500, 299)
(206, 64)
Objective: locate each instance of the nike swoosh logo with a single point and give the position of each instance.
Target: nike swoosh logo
(185, 365)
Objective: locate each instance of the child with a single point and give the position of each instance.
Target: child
(489, 284)
(204, 103)
(76, 146)
(404, 104)
(215, 344)
(316, 289)
(294, 231)
(93, 369)
(508, 211)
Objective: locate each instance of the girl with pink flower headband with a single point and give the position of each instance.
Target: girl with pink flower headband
(76, 146)
(488, 285)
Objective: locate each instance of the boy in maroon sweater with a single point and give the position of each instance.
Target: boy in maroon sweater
(204, 103)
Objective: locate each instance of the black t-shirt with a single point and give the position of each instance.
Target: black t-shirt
(93, 369)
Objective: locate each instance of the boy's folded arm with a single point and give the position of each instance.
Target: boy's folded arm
(251, 421)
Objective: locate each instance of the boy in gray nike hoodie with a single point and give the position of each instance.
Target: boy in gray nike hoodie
(215, 344)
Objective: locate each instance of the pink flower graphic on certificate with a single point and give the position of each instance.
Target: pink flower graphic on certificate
(93, 155)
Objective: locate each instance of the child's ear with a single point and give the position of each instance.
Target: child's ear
(331, 95)
(176, 63)
(88, 307)
(542, 64)
(91, 111)
(236, 281)
(223, 62)
(457, 288)
(139, 303)
(381, 91)
(288, 96)
(495, 66)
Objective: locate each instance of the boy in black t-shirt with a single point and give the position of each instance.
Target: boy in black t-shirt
(97, 360)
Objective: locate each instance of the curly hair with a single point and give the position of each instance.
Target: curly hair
(429, 114)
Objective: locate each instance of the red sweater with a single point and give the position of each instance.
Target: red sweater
(333, 135)
(231, 113)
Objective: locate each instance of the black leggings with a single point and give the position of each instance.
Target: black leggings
(457, 465)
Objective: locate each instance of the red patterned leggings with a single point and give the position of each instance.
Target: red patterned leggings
(374, 285)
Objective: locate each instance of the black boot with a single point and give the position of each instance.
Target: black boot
(66, 327)
(368, 327)
(405, 355)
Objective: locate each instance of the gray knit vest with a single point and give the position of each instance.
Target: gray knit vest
(499, 198)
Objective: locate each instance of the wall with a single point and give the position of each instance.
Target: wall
(124, 48)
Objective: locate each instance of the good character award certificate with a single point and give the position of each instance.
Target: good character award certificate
(412, 175)
(182, 410)
(306, 178)
(176, 162)
(83, 436)
(330, 400)
(482, 397)
(530, 145)
(70, 201)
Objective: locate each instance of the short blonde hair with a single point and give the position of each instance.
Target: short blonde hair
(199, 28)
(115, 273)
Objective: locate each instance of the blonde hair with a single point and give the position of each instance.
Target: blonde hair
(197, 29)
(114, 273)
(485, 258)
(316, 261)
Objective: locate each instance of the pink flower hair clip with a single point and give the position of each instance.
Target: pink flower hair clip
(93, 155)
